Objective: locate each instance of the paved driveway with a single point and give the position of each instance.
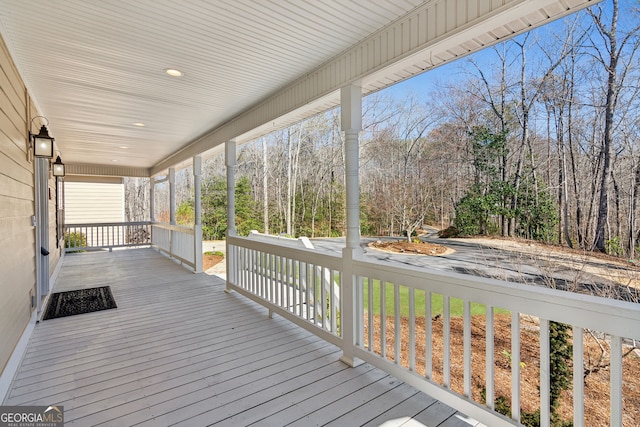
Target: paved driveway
(469, 257)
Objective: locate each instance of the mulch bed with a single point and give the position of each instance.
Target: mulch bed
(596, 386)
(209, 261)
(405, 247)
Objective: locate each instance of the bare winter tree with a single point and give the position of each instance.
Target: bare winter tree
(616, 57)
(557, 93)
(136, 205)
(530, 93)
(396, 157)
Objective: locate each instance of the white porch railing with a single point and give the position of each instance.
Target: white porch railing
(183, 244)
(290, 282)
(285, 280)
(178, 242)
(108, 235)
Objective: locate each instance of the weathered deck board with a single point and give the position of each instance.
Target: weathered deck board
(178, 350)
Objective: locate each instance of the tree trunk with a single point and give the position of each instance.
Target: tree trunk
(610, 106)
(616, 200)
(632, 213)
(561, 179)
(565, 209)
(578, 218)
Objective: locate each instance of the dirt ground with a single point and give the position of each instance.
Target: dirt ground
(596, 384)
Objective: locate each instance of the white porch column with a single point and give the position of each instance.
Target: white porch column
(172, 196)
(351, 122)
(197, 228)
(152, 199)
(230, 160)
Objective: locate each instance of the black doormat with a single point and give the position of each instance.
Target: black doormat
(62, 304)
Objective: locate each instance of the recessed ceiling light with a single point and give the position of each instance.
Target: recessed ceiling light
(114, 161)
(173, 72)
(124, 147)
(139, 124)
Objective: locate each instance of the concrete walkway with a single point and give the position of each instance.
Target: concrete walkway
(220, 269)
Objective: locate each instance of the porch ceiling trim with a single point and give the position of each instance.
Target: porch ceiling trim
(107, 170)
(427, 37)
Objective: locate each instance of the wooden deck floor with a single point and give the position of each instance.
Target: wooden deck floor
(178, 350)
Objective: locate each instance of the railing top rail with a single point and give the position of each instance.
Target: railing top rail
(107, 224)
(312, 256)
(598, 313)
(592, 312)
(300, 242)
(180, 228)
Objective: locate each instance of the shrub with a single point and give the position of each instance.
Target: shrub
(613, 247)
(561, 353)
(414, 233)
(75, 239)
(449, 232)
(218, 253)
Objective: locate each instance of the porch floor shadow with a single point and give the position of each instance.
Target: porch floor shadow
(178, 350)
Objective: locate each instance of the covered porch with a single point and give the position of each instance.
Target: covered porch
(179, 350)
(270, 350)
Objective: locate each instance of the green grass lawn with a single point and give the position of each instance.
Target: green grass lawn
(456, 305)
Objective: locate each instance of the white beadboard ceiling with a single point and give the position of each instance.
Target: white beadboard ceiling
(96, 67)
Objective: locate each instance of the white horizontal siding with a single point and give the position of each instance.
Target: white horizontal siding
(90, 202)
(17, 245)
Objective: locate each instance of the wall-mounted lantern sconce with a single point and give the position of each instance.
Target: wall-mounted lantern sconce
(58, 167)
(42, 142)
